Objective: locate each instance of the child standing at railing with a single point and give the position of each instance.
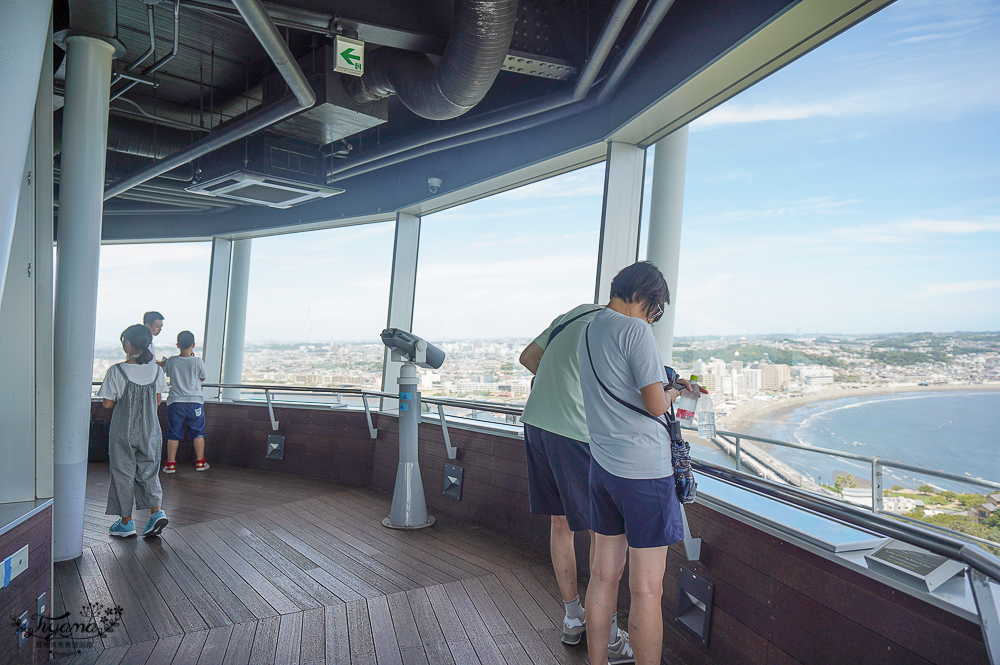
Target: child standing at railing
(186, 403)
(132, 389)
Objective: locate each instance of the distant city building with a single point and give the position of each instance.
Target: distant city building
(775, 377)
(752, 380)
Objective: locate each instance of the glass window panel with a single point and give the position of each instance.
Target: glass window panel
(317, 302)
(493, 274)
(170, 278)
(840, 228)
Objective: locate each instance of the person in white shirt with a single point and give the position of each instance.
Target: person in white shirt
(154, 321)
(133, 389)
(186, 403)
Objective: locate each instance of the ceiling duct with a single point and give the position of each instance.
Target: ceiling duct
(334, 115)
(444, 89)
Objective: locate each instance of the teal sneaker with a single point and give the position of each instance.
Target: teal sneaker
(155, 525)
(120, 530)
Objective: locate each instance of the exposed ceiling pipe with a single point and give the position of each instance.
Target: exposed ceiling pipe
(456, 134)
(647, 26)
(162, 61)
(150, 51)
(302, 97)
(446, 88)
(141, 112)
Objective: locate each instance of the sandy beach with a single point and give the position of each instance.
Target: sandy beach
(760, 413)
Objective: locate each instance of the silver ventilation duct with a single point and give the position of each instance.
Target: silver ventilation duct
(445, 89)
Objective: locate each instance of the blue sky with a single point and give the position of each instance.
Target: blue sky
(855, 191)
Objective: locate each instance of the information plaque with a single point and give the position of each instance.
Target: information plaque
(913, 565)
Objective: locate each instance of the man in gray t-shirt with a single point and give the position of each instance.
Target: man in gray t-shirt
(626, 357)
(633, 504)
(186, 403)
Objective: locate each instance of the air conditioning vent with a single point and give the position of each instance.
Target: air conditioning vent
(262, 190)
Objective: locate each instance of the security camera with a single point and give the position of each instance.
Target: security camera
(434, 184)
(410, 348)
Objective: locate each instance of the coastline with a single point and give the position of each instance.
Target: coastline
(758, 412)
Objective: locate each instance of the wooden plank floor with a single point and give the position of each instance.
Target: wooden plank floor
(260, 567)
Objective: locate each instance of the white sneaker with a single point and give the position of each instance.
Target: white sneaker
(573, 629)
(621, 651)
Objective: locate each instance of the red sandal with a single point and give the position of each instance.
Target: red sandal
(201, 465)
(170, 467)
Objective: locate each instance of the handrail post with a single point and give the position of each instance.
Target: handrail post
(876, 485)
(739, 466)
(368, 414)
(986, 604)
(452, 450)
(270, 410)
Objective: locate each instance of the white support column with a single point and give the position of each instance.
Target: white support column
(623, 176)
(215, 317)
(666, 208)
(23, 33)
(236, 318)
(17, 402)
(401, 293)
(44, 275)
(81, 203)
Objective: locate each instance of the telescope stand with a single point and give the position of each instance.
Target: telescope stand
(409, 510)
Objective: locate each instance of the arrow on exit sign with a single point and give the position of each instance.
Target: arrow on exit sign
(349, 56)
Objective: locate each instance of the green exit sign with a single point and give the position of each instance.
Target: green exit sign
(349, 56)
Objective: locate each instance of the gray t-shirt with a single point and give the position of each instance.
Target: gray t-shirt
(186, 375)
(626, 444)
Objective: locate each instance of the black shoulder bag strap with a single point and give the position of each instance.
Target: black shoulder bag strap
(643, 412)
(562, 326)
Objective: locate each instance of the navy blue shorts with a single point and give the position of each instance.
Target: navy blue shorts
(558, 473)
(645, 510)
(181, 414)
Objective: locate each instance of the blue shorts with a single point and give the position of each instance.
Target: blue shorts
(558, 471)
(645, 510)
(181, 414)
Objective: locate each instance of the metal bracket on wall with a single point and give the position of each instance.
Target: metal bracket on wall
(452, 450)
(692, 546)
(270, 410)
(368, 414)
(989, 616)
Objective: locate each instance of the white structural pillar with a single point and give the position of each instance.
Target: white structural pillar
(236, 318)
(666, 209)
(619, 247)
(23, 30)
(215, 316)
(44, 275)
(81, 201)
(401, 293)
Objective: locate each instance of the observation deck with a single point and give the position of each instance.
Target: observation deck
(227, 122)
(287, 561)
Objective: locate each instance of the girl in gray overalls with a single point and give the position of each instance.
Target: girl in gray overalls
(133, 390)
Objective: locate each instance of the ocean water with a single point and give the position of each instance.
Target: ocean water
(954, 431)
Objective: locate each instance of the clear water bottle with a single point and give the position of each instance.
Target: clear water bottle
(687, 403)
(706, 418)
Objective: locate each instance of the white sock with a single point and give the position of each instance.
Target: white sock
(613, 637)
(574, 610)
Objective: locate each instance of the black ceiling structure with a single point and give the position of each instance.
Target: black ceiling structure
(364, 148)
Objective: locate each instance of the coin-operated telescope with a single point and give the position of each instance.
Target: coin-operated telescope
(409, 509)
(407, 347)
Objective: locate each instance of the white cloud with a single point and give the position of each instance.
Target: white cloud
(952, 288)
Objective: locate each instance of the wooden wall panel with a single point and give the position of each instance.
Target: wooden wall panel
(796, 607)
(23, 592)
(319, 443)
